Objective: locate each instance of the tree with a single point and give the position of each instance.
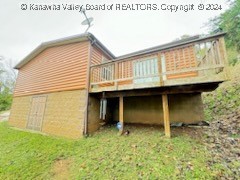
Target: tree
(185, 36)
(7, 81)
(8, 75)
(5, 99)
(229, 22)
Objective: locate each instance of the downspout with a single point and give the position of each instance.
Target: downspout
(88, 87)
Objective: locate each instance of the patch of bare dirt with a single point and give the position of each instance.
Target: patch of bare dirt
(61, 168)
(196, 132)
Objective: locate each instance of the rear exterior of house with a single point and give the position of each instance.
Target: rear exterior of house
(51, 90)
(68, 87)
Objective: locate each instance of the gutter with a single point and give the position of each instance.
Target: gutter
(97, 43)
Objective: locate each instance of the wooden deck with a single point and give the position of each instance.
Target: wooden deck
(199, 61)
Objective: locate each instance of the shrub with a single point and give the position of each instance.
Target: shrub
(5, 100)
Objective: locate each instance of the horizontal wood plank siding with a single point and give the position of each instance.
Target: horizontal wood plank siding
(97, 56)
(55, 69)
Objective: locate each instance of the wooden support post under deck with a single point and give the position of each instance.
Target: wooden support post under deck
(121, 113)
(166, 115)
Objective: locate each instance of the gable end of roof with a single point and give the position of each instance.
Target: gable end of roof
(63, 41)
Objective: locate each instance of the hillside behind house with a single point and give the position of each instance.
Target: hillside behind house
(222, 110)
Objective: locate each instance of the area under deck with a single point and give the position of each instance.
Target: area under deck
(180, 103)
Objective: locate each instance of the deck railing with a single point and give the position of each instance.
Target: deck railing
(197, 61)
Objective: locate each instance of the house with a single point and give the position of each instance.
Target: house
(67, 87)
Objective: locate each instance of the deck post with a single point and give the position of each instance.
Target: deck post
(224, 56)
(160, 68)
(166, 115)
(121, 113)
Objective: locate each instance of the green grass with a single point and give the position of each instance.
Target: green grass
(225, 99)
(145, 153)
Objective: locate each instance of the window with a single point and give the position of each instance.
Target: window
(146, 67)
(107, 73)
(146, 70)
(107, 70)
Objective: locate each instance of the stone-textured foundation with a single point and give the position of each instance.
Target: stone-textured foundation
(63, 116)
(64, 111)
(93, 114)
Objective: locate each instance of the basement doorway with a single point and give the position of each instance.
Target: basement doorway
(36, 114)
(109, 114)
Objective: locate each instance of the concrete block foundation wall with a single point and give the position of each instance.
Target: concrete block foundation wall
(64, 111)
(20, 111)
(187, 108)
(93, 114)
(63, 116)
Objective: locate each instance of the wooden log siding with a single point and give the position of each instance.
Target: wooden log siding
(55, 69)
(97, 56)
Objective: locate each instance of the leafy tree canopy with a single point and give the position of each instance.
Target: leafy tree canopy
(229, 22)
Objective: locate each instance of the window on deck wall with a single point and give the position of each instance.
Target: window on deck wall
(145, 70)
(107, 70)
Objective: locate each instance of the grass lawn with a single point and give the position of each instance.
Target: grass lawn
(145, 153)
(1, 112)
